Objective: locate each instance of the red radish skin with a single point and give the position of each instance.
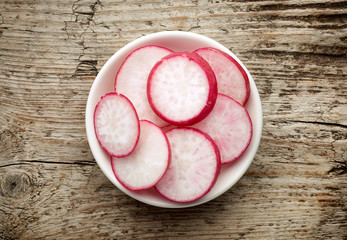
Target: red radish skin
(131, 79)
(230, 126)
(116, 125)
(195, 166)
(182, 88)
(147, 164)
(232, 79)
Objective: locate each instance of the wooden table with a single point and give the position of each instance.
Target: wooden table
(50, 184)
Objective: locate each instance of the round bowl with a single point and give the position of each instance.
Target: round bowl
(104, 83)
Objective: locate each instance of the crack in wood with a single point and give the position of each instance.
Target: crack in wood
(340, 166)
(84, 67)
(26, 162)
(1, 19)
(82, 163)
(340, 169)
(289, 6)
(13, 164)
(319, 123)
(337, 52)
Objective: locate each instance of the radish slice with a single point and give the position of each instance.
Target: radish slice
(230, 126)
(148, 162)
(195, 165)
(231, 77)
(131, 79)
(182, 88)
(116, 124)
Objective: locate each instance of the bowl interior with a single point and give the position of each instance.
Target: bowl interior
(104, 83)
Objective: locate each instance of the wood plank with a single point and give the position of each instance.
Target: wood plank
(50, 185)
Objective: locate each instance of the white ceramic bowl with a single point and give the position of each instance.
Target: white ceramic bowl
(104, 83)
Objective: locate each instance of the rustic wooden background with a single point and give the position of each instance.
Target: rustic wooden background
(50, 185)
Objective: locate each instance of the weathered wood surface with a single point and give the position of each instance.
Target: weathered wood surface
(50, 185)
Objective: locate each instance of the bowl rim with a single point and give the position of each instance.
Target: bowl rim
(89, 123)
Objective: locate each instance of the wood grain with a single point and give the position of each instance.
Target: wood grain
(50, 185)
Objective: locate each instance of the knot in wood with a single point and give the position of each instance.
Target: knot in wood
(15, 184)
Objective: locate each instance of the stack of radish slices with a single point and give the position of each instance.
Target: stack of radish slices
(174, 119)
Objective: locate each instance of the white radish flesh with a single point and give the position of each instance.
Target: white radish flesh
(116, 125)
(195, 166)
(131, 79)
(230, 126)
(182, 88)
(146, 165)
(231, 77)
